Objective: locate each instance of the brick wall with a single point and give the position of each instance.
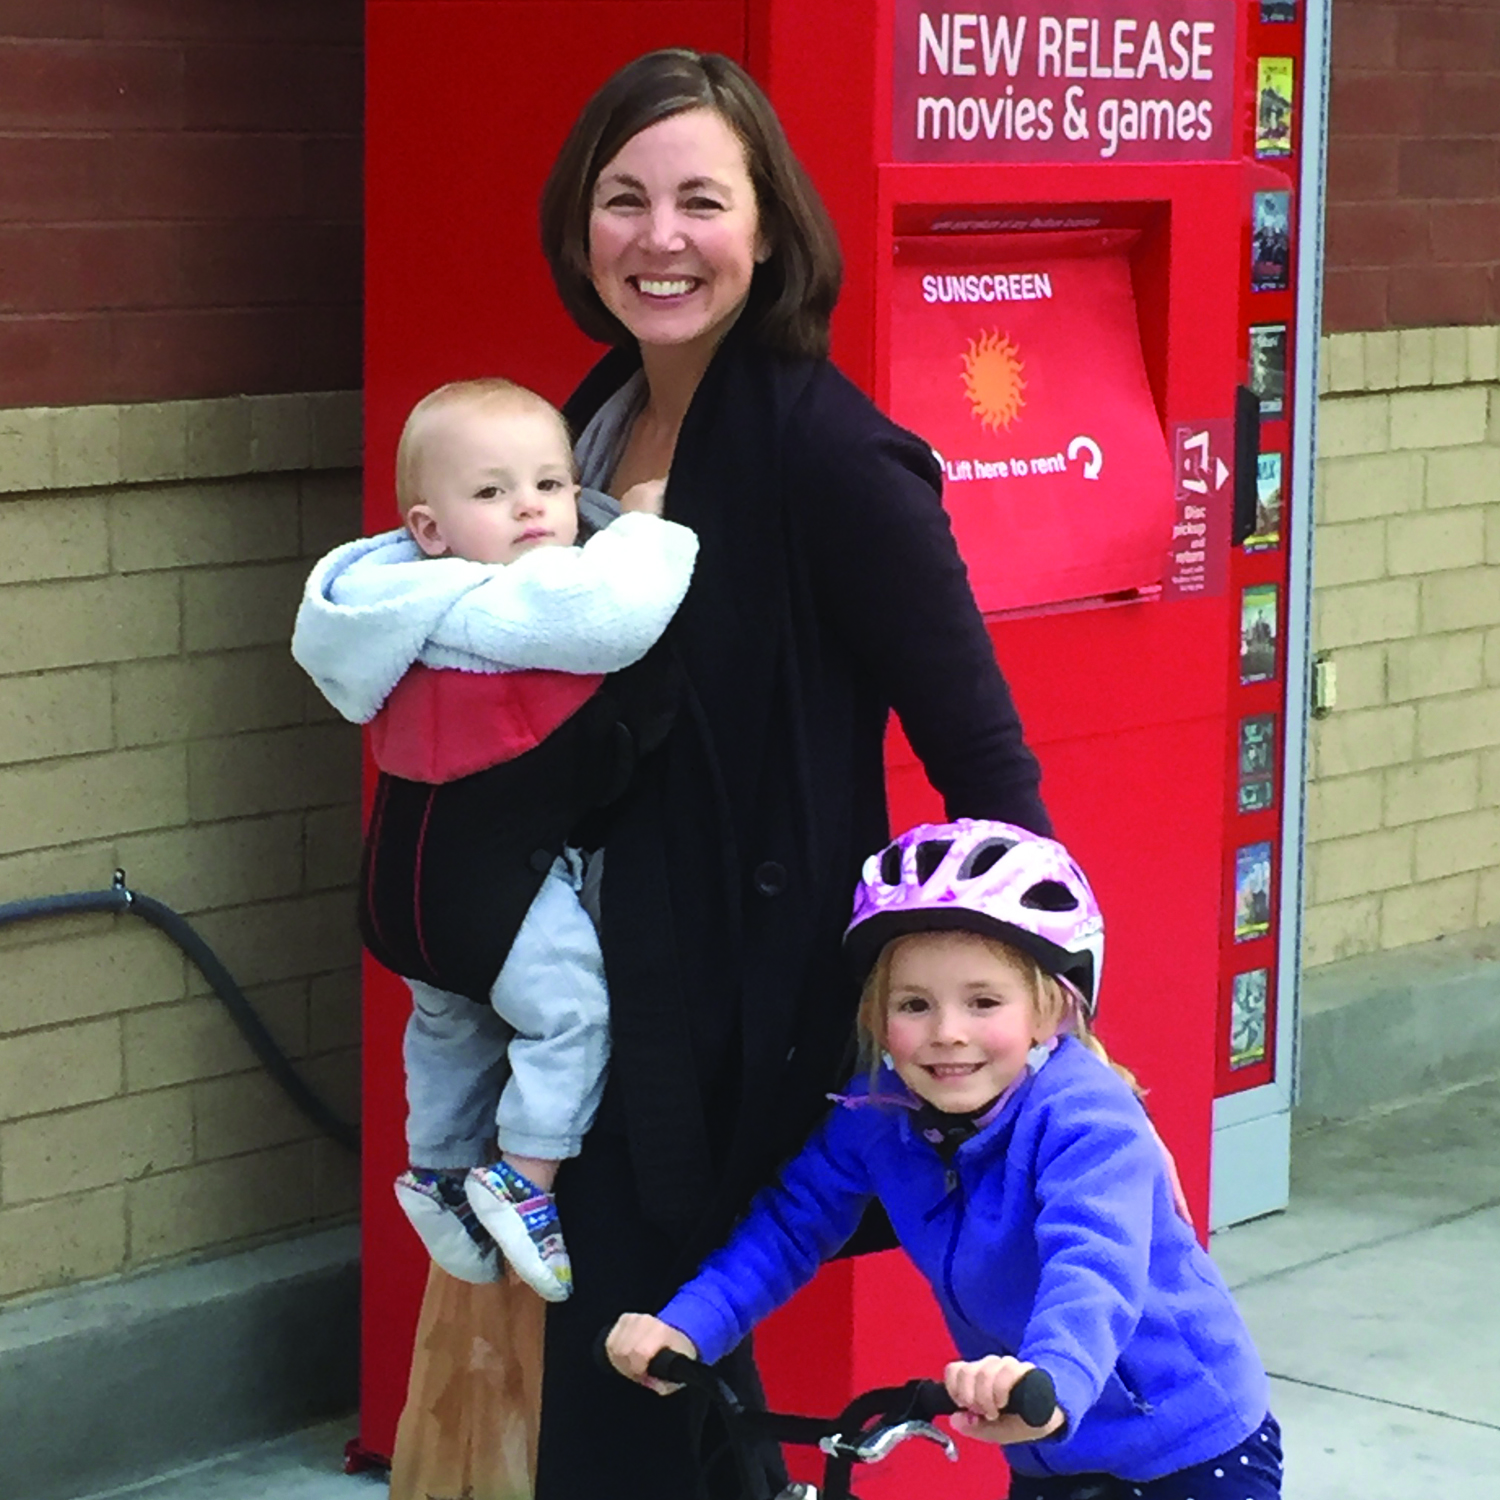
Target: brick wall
(179, 198)
(1413, 165)
(1404, 790)
(151, 558)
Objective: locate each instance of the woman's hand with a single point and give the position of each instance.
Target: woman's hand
(636, 1338)
(981, 1387)
(647, 497)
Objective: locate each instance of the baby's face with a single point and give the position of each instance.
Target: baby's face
(496, 482)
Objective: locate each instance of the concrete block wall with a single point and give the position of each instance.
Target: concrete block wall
(1404, 777)
(151, 717)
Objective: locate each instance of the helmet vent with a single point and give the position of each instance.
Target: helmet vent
(985, 858)
(890, 864)
(1050, 895)
(930, 856)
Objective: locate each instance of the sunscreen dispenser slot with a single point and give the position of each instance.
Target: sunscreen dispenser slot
(1019, 358)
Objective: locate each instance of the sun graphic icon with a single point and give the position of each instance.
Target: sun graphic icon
(993, 379)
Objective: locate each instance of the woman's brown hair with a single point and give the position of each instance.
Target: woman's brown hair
(1050, 999)
(793, 292)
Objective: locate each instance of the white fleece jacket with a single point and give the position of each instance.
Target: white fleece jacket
(377, 605)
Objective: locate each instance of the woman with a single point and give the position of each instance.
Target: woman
(681, 229)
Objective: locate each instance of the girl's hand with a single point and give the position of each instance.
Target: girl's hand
(648, 496)
(635, 1339)
(982, 1387)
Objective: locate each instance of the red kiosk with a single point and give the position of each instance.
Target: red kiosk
(1081, 250)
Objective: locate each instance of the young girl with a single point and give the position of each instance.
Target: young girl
(1023, 1179)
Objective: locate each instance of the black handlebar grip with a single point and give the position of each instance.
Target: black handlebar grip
(668, 1364)
(1033, 1398)
(930, 1399)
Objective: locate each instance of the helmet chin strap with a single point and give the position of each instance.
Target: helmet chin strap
(946, 1131)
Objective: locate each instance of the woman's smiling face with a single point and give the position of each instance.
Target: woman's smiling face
(674, 231)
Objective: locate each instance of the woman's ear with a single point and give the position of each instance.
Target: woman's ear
(425, 531)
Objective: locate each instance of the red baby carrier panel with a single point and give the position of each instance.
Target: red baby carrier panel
(440, 725)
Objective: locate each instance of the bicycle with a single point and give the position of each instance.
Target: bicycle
(868, 1429)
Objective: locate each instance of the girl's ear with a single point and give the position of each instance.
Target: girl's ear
(1044, 1030)
(425, 531)
(1049, 1008)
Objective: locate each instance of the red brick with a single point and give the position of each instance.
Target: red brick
(1431, 297)
(1360, 169)
(1446, 36)
(1382, 234)
(53, 361)
(334, 171)
(248, 20)
(1378, 103)
(1466, 231)
(1448, 169)
(275, 87)
(332, 348)
(1363, 35)
(1355, 301)
(73, 85)
(49, 178)
(276, 261)
(216, 352)
(199, 176)
(52, 18)
(1465, 104)
(73, 268)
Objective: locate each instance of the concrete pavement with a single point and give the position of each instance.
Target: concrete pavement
(1373, 1301)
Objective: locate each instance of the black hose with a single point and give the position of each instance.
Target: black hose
(120, 898)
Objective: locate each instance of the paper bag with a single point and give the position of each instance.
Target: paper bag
(473, 1404)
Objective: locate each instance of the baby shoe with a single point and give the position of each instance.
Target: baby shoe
(522, 1219)
(439, 1211)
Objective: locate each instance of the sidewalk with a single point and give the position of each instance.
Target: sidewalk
(1373, 1301)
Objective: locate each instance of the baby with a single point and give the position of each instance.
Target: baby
(474, 642)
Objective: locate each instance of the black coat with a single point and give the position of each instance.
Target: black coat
(828, 590)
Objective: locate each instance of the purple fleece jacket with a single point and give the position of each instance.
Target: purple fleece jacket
(1053, 1236)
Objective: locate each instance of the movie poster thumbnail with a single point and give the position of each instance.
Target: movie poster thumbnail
(1273, 110)
(1271, 242)
(1258, 633)
(1249, 1010)
(1257, 779)
(1268, 492)
(1268, 366)
(1252, 891)
(1272, 11)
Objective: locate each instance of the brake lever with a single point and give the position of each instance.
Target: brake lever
(880, 1443)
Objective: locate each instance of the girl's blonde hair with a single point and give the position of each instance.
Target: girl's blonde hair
(1052, 1003)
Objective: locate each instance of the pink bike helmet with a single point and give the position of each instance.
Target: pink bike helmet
(991, 878)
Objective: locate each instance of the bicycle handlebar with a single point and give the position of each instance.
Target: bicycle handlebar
(680, 1369)
(1033, 1397)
